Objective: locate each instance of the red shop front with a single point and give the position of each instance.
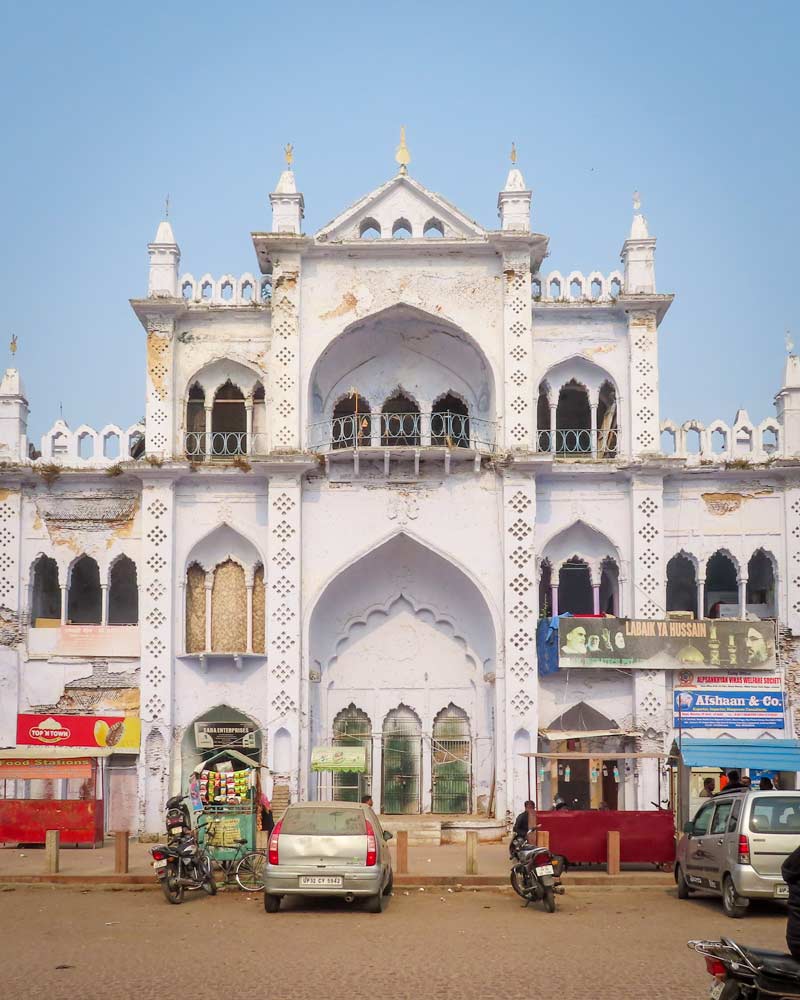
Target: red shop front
(51, 788)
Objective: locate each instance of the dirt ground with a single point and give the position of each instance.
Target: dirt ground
(63, 943)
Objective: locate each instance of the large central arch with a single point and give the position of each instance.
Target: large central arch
(403, 627)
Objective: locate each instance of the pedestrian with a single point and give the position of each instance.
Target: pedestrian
(267, 822)
(708, 788)
(791, 876)
(523, 824)
(734, 782)
(366, 800)
(765, 785)
(747, 781)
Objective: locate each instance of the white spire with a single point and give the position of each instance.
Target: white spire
(165, 259)
(638, 255)
(288, 206)
(514, 201)
(639, 224)
(164, 233)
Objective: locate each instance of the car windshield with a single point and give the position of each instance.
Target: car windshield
(324, 822)
(775, 814)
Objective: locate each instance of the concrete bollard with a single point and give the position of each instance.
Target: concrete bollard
(121, 860)
(472, 852)
(543, 838)
(402, 852)
(52, 842)
(612, 852)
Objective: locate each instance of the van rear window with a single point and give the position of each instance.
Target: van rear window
(775, 814)
(324, 822)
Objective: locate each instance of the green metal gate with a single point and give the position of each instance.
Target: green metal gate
(451, 762)
(402, 759)
(352, 728)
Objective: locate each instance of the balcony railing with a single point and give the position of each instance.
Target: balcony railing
(579, 443)
(202, 446)
(403, 430)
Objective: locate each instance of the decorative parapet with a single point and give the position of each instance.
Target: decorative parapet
(721, 442)
(248, 290)
(576, 287)
(86, 446)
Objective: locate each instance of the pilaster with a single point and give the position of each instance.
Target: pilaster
(644, 435)
(284, 628)
(789, 610)
(11, 600)
(284, 403)
(517, 675)
(156, 568)
(159, 429)
(519, 411)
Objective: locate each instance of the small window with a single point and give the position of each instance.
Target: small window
(324, 822)
(206, 290)
(703, 819)
(734, 820)
(401, 230)
(776, 814)
(721, 816)
(227, 291)
(433, 229)
(247, 291)
(369, 230)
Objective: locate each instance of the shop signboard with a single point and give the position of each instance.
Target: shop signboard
(213, 735)
(666, 644)
(98, 640)
(339, 759)
(728, 701)
(117, 732)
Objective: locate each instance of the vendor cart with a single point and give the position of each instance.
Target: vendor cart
(229, 792)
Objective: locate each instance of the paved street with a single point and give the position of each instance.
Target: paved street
(623, 943)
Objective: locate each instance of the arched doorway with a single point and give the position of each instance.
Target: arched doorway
(220, 729)
(451, 761)
(352, 422)
(352, 728)
(400, 423)
(229, 421)
(402, 762)
(403, 626)
(450, 422)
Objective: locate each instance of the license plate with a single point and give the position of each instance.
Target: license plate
(716, 991)
(176, 829)
(544, 870)
(160, 864)
(331, 881)
(782, 890)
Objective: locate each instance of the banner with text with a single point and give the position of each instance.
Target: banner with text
(666, 644)
(728, 701)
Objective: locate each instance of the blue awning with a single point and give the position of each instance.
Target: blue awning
(765, 755)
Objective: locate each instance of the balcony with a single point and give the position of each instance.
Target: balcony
(579, 443)
(207, 446)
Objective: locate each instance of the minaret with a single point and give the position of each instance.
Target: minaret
(13, 418)
(787, 402)
(165, 260)
(514, 201)
(638, 255)
(288, 207)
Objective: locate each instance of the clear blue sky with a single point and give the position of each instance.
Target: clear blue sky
(109, 107)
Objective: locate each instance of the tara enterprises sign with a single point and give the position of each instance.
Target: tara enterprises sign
(666, 644)
(212, 735)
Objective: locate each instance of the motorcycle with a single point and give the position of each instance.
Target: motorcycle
(178, 817)
(743, 973)
(534, 876)
(182, 864)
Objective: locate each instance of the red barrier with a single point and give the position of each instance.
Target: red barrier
(25, 821)
(645, 837)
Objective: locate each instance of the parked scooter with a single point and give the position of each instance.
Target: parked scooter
(179, 819)
(534, 876)
(743, 973)
(182, 864)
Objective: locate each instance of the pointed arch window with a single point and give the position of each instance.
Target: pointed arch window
(84, 599)
(352, 422)
(352, 728)
(228, 421)
(400, 423)
(46, 596)
(450, 422)
(123, 593)
(451, 761)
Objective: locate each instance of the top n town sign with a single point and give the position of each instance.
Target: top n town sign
(117, 732)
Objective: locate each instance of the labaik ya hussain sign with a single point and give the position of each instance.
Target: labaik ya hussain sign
(666, 644)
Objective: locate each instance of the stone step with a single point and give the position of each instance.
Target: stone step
(421, 829)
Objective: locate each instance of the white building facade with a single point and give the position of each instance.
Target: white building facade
(367, 469)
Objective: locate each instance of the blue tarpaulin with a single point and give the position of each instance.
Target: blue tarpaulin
(547, 644)
(767, 755)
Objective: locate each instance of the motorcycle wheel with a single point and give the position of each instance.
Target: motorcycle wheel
(549, 900)
(173, 892)
(518, 882)
(209, 885)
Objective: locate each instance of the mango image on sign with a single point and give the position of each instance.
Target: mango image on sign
(101, 732)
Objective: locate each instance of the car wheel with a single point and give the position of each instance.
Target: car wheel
(729, 899)
(374, 904)
(272, 903)
(683, 886)
(389, 885)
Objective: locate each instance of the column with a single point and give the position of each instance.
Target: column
(425, 423)
(375, 432)
(208, 448)
(516, 676)
(287, 688)
(64, 598)
(701, 597)
(157, 630)
(248, 413)
(250, 616)
(596, 598)
(209, 606)
(554, 599)
(593, 413)
(742, 581)
(553, 425)
(104, 604)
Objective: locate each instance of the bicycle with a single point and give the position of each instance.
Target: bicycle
(246, 868)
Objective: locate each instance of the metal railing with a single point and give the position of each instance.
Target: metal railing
(205, 445)
(412, 430)
(579, 442)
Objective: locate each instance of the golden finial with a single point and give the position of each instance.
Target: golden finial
(288, 152)
(514, 153)
(13, 345)
(637, 201)
(402, 155)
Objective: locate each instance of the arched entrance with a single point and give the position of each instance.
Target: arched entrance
(406, 640)
(220, 729)
(352, 728)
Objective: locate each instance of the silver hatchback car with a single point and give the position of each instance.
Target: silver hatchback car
(328, 849)
(735, 846)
